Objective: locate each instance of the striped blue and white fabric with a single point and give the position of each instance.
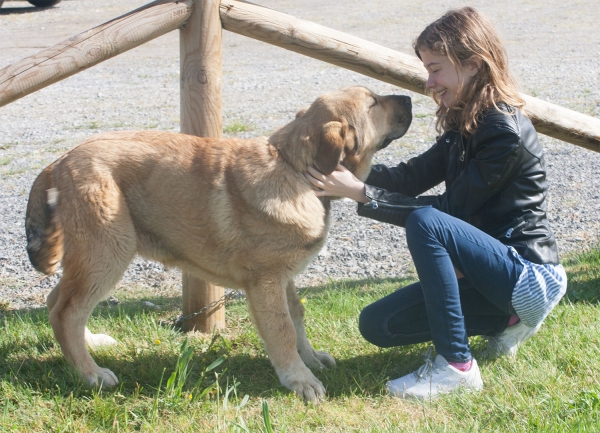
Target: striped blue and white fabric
(538, 290)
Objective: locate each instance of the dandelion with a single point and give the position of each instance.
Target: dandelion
(157, 341)
(303, 301)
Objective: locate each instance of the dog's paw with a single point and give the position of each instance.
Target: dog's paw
(102, 378)
(302, 382)
(98, 340)
(317, 360)
(310, 390)
(325, 358)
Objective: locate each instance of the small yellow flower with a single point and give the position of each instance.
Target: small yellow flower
(303, 301)
(190, 396)
(157, 341)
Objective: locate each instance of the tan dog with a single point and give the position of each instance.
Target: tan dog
(239, 213)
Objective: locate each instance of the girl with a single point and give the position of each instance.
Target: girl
(485, 256)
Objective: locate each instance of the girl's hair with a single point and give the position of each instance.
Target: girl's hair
(461, 34)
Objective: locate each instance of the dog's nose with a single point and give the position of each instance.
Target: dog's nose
(403, 101)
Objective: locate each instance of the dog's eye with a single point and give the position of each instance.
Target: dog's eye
(374, 103)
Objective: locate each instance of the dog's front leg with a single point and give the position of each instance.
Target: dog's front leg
(269, 309)
(311, 357)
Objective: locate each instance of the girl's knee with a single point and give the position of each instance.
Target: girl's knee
(421, 221)
(370, 326)
(422, 216)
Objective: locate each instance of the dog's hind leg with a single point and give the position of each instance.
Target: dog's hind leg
(268, 305)
(89, 275)
(314, 359)
(92, 340)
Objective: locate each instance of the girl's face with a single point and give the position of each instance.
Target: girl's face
(446, 79)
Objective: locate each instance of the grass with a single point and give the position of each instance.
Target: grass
(5, 160)
(236, 127)
(224, 382)
(89, 125)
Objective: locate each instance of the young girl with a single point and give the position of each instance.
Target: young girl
(485, 256)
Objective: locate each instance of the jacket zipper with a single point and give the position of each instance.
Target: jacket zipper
(462, 149)
(375, 205)
(512, 229)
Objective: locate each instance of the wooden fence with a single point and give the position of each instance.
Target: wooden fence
(201, 23)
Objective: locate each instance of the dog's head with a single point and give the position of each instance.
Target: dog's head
(347, 126)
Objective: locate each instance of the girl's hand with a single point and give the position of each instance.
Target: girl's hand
(340, 183)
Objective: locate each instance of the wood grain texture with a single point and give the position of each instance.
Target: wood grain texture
(323, 43)
(92, 47)
(385, 64)
(202, 115)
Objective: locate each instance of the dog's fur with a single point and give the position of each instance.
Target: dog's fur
(239, 213)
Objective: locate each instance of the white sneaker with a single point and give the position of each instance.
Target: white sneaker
(508, 341)
(434, 378)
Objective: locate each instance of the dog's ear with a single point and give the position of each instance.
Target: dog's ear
(301, 112)
(330, 146)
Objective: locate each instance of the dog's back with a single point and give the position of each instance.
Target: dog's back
(218, 207)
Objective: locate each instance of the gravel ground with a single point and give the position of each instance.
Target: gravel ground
(554, 48)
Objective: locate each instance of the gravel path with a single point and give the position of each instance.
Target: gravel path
(554, 48)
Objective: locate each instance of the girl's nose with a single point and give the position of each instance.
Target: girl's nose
(430, 84)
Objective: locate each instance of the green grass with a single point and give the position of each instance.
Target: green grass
(89, 125)
(224, 382)
(237, 127)
(5, 160)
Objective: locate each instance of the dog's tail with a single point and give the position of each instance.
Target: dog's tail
(42, 225)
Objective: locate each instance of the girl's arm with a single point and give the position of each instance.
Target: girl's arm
(414, 176)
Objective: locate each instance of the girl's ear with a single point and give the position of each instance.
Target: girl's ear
(474, 64)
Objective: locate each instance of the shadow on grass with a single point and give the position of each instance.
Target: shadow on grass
(140, 371)
(583, 274)
(582, 287)
(141, 374)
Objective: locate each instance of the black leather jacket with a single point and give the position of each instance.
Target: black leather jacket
(495, 180)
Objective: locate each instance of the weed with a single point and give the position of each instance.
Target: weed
(5, 160)
(236, 127)
(89, 125)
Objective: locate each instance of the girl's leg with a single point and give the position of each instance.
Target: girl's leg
(400, 318)
(439, 243)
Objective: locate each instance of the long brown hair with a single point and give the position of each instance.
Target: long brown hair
(461, 34)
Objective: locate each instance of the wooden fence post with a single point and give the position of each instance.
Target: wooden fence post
(201, 115)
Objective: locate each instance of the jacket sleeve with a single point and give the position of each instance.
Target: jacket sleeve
(393, 207)
(496, 162)
(413, 177)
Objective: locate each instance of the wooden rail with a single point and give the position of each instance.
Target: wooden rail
(155, 19)
(92, 47)
(385, 64)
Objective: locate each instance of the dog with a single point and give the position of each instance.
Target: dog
(236, 212)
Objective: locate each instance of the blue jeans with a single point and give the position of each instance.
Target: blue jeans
(440, 307)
